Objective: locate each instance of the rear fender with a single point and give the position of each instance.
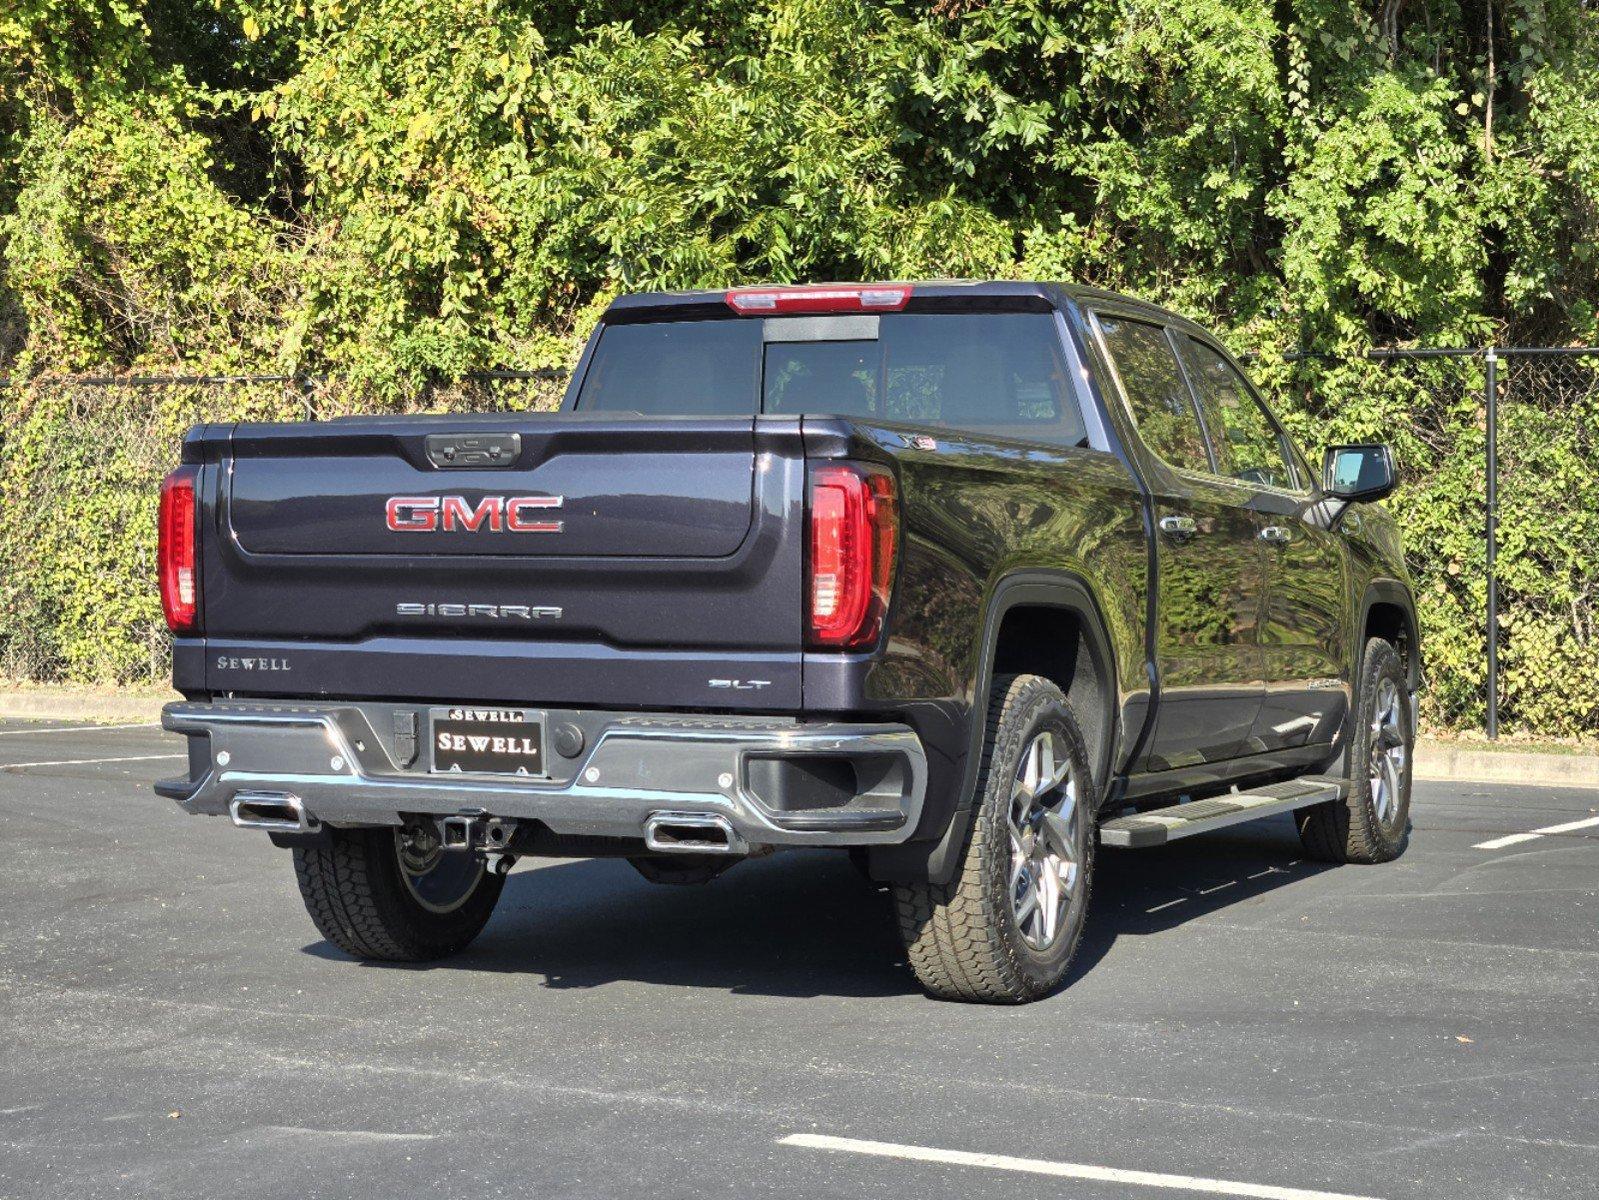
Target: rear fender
(1093, 695)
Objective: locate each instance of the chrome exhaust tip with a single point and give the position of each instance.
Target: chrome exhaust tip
(276, 811)
(693, 833)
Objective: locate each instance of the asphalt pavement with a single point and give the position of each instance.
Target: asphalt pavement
(1241, 1022)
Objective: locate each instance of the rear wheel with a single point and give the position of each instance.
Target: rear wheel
(1005, 929)
(1373, 823)
(395, 894)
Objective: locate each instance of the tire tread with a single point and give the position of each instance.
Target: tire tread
(955, 947)
(349, 884)
(1346, 831)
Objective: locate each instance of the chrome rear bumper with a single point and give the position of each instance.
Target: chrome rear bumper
(776, 781)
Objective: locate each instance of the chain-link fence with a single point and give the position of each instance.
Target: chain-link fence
(81, 459)
(1499, 506)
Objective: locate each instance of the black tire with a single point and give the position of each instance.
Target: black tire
(1372, 824)
(964, 939)
(364, 902)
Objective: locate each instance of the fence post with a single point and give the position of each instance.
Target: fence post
(1493, 540)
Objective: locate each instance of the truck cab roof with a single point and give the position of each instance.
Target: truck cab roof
(944, 295)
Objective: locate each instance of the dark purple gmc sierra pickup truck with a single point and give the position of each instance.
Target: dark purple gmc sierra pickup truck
(967, 579)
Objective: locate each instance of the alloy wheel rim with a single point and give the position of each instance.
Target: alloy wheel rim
(439, 880)
(1386, 767)
(1044, 863)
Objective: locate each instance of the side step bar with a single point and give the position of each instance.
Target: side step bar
(1159, 826)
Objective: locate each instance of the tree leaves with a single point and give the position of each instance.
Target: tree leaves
(469, 168)
(398, 192)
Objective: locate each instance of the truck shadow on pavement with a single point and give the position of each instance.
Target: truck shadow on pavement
(806, 924)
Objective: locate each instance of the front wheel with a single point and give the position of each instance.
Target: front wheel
(395, 894)
(1005, 929)
(1373, 823)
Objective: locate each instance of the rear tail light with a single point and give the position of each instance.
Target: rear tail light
(179, 551)
(854, 527)
(826, 298)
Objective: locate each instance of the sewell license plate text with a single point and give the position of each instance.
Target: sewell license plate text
(493, 741)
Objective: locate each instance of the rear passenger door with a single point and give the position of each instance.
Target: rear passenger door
(1208, 556)
(1304, 613)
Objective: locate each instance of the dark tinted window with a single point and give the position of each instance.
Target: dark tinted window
(1161, 404)
(998, 373)
(1246, 444)
(675, 368)
(995, 373)
(822, 377)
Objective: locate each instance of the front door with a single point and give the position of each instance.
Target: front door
(1302, 629)
(1209, 561)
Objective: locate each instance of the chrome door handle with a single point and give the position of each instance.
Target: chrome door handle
(1179, 527)
(1279, 534)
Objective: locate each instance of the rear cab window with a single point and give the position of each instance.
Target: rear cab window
(675, 368)
(999, 374)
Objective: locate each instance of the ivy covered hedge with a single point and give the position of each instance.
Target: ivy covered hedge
(395, 193)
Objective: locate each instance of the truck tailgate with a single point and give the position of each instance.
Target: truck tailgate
(370, 560)
(615, 493)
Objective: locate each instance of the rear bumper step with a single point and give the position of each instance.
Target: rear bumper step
(690, 784)
(1162, 825)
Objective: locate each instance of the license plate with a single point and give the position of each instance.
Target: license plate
(488, 741)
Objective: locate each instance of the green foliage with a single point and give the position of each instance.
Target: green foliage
(76, 591)
(405, 190)
(399, 192)
(121, 246)
(79, 483)
(1549, 542)
(1381, 216)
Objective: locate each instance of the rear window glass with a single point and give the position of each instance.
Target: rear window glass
(675, 368)
(999, 373)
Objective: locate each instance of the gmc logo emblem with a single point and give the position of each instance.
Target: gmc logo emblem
(449, 514)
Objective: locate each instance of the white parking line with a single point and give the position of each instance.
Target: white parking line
(1040, 1166)
(80, 729)
(360, 1135)
(1513, 839)
(85, 762)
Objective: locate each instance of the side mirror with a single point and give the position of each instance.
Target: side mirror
(1357, 472)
